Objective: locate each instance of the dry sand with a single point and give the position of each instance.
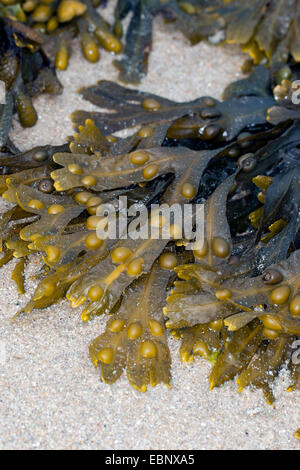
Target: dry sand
(51, 395)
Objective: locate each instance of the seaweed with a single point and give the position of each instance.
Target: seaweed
(267, 30)
(135, 336)
(204, 119)
(26, 72)
(57, 23)
(234, 298)
(134, 63)
(136, 167)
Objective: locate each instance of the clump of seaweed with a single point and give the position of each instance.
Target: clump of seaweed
(267, 30)
(234, 299)
(26, 71)
(58, 22)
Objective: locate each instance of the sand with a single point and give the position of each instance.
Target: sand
(51, 394)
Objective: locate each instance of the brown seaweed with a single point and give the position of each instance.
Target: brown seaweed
(234, 299)
(26, 72)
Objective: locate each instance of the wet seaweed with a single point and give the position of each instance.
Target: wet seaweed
(267, 30)
(26, 72)
(235, 298)
(57, 23)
